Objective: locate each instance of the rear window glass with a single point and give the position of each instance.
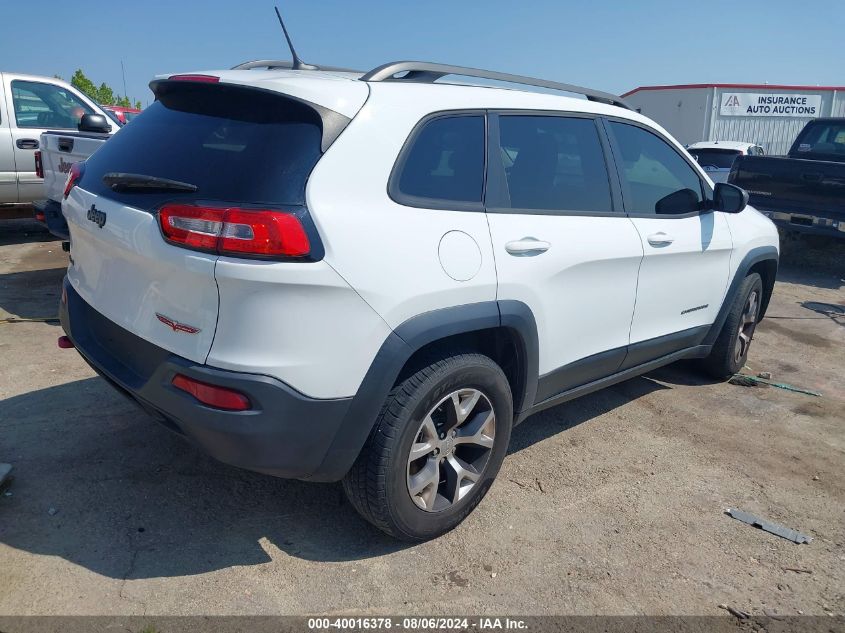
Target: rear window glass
(445, 163)
(823, 138)
(233, 144)
(718, 158)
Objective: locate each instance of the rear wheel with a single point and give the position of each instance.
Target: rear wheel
(435, 449)
(730, 351)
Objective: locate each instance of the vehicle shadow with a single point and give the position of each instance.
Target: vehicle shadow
(103, 486)
(23, 231)
(31, 294)
(99, 483)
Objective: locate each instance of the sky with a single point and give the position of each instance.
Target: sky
(611, 45)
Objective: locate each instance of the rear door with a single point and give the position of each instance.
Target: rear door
(238, 147)
(684, 273)
(561, 242)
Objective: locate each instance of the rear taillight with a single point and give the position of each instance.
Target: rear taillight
(212, 395)
(75, 173)
(39, 166)
(208, 79)
(234, 231)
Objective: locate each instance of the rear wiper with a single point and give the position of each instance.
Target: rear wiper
(140, 182)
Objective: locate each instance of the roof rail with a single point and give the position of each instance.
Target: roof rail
(274, 64)
(428, 72)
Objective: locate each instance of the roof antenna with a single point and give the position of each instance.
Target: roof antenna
(297, 64)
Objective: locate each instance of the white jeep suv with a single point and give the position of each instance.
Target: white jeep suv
(326, 275)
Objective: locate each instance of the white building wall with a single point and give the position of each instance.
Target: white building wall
(693, 114)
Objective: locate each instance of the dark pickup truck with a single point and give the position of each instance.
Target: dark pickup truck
(803, 191)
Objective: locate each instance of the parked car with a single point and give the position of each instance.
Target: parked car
(803, 192)
(59, 152)
(717, 157)
(30, 105)
(326, 275)
(121, 113)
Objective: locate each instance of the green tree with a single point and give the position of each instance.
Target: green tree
(123, 101)
(105, 95)
(138, 104)
(84, 85)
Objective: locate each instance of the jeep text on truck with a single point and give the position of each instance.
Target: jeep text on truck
(327, 275)
(804, 191)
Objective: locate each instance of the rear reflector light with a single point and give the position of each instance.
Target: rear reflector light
(39, 215)
(76, 171)
(209, 79)
(212, 395)
(234, 231)
(39, 166)
(65, 343)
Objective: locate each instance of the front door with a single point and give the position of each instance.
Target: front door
(36, 107)
(684, 274)
(562, 244)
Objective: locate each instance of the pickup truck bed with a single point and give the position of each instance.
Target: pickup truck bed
(802, 195)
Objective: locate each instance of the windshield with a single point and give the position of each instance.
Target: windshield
(719, 158)
(233, 144)
(822, 138)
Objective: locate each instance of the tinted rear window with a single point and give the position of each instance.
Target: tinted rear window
(719, 158)
(824, 139)
(234, 144)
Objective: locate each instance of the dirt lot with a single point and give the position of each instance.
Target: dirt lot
(611, 504)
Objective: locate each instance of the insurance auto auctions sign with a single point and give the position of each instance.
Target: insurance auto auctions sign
(759, 104)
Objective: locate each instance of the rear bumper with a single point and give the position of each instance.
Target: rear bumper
(285, 434)
(53, 217)
(805, 222)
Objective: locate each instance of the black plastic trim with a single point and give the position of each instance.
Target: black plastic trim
(754, 256)
(694, 352)
(53, 217)
(646, 351)
(580, 372)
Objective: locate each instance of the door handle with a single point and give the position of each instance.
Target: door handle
(527, 247)
(660, 239)
(27, 143)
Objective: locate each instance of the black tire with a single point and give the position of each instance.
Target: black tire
(378, 485)
(729, 355)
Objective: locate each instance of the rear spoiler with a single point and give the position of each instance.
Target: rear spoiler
(332, 123)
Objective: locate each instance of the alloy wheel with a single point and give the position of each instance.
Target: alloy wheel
(747, 323)
(451, 449)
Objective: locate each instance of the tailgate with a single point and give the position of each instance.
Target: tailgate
(60, 151)
(121, 266)
(792, 185)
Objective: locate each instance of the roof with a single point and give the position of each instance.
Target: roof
(737, 145)
(737, 87)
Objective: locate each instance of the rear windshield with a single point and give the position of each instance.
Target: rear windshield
(719, 158)
(233, 144)
(824, 139)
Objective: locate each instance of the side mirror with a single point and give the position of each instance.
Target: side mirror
(729, 198)
(94, 123)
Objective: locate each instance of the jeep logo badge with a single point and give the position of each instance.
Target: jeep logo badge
(96, 216)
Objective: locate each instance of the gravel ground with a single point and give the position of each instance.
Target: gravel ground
(611, 504)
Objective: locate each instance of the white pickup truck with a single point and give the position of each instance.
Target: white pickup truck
(29, 106)
(59, 151)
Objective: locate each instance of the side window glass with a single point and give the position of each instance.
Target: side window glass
(445, 162)
(554, 163)
(40, 105)
(655, 179)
